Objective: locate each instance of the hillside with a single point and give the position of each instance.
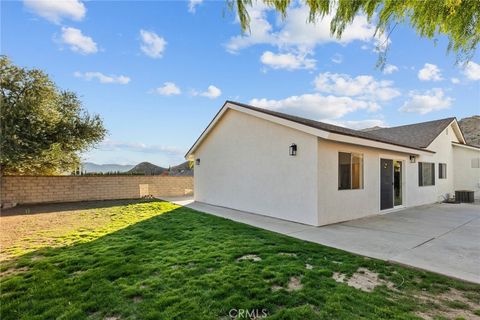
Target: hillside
(147, 168)
(182, 169)
(471, 129)
(90, 167)
(371, 129)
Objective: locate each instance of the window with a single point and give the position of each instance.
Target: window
(442, 171)
(426, 174)
(350, 171)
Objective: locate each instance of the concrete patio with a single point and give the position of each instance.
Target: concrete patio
(443, 238)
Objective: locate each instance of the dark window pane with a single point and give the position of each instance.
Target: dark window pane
(442, 170)
(420, 171)
(344, 165)
(426, 174)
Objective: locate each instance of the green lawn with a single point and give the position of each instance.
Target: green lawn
(155, 260)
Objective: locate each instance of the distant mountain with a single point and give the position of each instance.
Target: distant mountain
(183, 169)
(371, 129)
(90, 167)
(147, 168)
(471, 129)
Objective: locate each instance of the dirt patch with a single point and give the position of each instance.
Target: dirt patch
(77, 273)
(287, 254)
(453, 305)
(137, 299)
(294, 284)
(339, 277)
(363, 279)
(13, 271)
(276, 288)
(251, 257)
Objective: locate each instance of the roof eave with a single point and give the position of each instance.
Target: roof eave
(345, 138)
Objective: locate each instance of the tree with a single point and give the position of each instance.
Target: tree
(42, 128)
(459, 20)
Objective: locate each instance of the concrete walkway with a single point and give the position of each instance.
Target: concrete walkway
(443, 238)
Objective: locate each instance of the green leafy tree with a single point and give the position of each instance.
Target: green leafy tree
(458, 20)
(43, 129)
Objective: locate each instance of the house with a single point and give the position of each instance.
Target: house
(292, 168)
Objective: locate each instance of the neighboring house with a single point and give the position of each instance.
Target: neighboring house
(301, 170)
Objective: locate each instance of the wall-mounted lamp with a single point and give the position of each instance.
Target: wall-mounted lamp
(412, 159)
(197, 161)
(293, 149)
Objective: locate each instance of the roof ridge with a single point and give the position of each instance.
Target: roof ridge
(417, 123)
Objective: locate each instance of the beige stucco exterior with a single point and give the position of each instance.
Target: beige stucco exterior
(245, 165)
(467, 174)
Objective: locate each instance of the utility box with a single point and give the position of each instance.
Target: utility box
(464, 196)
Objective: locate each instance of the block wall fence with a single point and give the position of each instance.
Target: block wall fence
(38, 189)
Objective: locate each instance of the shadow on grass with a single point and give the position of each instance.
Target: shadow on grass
(183, 264)
(30, 209)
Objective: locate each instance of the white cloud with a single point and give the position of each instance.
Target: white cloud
(152, 44)
(168, 89)
(316, 106)
(212, 92)
(102, 78)
(192, 4)
(109, 145)
(337, 58)
(288, 61)
(455, 80)
(55, 11)
(430, 72)
(295, 32)
(472, 70)
(390, 68)
(77, 41)
(430, 100)
(357, 125)
(362, 87)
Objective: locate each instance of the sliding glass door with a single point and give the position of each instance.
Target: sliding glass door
(391, 176)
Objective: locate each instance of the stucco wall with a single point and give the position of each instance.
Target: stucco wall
(28, 189)
(466, 177)
(442, 145)
(342, 205)
(245, 165)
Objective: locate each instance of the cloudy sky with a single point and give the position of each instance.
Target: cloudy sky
(158, 71)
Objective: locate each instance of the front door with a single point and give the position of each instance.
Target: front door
(386, 184)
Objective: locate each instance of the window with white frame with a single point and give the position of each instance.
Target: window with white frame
(350, 171)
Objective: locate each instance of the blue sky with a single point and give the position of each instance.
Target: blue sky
(158, 71)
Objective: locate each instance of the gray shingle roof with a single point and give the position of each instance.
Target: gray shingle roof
(382, 137)
(419, 135)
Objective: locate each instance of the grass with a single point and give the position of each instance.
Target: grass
(155, 260)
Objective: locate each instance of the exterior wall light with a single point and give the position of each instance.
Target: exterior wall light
(293, 149)
(412, 159)
(197, 161)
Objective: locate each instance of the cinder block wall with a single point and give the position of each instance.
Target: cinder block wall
(37, 189)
